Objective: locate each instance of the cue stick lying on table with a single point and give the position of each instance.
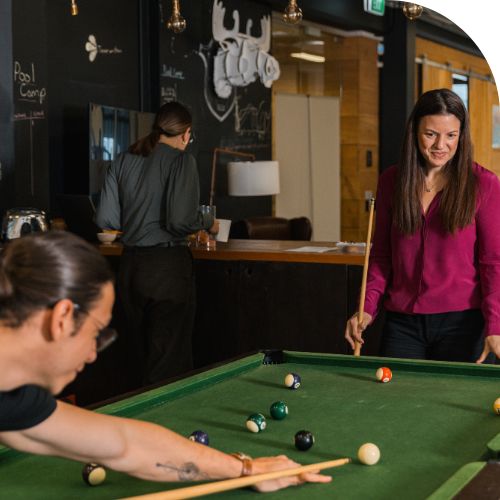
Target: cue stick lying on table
(239, 482)
(357, 348)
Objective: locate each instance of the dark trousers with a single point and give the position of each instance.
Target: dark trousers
(155, 309)
(453, 336)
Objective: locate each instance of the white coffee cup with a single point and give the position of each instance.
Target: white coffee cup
(224, 226)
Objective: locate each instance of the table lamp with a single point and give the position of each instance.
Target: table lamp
(246, 178)
(253, 178)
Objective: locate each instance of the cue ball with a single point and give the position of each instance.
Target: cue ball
(199, 437)
(384, 374)
(292, 380)
(93, 474)
(496, 406)
(256, 422)
(278, 410)
(369, 454)
(304, 440)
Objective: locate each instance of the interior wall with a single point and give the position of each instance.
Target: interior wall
(350, 72)
(324, 140)
(482, 94)
(307, 146)
(291, 149)
(120, 53)
(241, 121)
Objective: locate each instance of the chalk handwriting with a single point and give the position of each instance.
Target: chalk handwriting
(170, 72)
(27, 86)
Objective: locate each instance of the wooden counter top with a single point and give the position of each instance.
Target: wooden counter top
(265, 250)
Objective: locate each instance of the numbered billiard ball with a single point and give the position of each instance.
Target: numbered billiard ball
(292, 380)
(279, 410)
(369, 454)
(303, 440)
(384, 374)
(256, 422)
(199, 437)
(93, 474)
(496, 406)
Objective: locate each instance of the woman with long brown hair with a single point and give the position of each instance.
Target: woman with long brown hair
(435, 261)
(151, 193)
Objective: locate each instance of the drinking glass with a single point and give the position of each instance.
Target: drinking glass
(203, 237)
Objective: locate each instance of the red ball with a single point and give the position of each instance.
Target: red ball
(384, 374)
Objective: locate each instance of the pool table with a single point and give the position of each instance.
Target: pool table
(432, 419)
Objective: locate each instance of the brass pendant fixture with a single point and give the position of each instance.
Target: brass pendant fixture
(176, 23)
(412, 11)
(293, 13)
(74, 8)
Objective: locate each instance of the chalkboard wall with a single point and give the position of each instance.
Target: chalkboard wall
(241, 122)
(118, 53)
(6, 109)
(28, 181)
(94, 57)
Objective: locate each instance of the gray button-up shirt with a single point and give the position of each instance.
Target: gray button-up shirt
(154, 200)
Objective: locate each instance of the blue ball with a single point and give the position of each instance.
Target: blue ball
(292, 380)
(199, 437)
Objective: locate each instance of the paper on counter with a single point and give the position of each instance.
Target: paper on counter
(312, 249)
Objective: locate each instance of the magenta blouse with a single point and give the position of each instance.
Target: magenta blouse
(432, 271)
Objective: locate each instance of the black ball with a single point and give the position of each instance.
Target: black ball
(303, 440)
(93, 474)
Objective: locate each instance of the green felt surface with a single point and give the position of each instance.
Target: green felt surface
(431, 419)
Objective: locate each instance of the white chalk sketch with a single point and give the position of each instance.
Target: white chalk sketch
(241, 58)
(252, 120)
(168, 94)
(93, 48)
(220, 108)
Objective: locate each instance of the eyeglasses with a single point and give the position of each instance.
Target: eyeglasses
(105, 337)
(192, 137)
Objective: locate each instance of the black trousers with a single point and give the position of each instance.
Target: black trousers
(155, 312)
(453, 336)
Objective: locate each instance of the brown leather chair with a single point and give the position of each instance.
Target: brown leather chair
(272, 228)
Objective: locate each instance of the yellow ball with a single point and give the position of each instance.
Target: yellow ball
(496, 406)
(369, 454)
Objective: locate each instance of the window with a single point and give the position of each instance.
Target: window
(460, 85)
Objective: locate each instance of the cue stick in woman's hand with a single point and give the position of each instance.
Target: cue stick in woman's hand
(240, 482)
(357, 348)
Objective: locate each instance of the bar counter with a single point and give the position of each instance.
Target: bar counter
(265, 250)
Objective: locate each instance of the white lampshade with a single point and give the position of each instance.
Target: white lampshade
(253, 178)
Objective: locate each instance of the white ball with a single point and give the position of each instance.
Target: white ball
(369, 454)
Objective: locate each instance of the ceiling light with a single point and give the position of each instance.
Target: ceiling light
(308, 57)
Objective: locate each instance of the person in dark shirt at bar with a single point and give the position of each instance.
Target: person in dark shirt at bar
(56, 297)
(151, 193)
(435, 260)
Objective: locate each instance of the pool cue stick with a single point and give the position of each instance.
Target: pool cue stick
(239, 482)
(357, 348)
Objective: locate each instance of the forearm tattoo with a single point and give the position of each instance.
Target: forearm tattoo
(186, 472)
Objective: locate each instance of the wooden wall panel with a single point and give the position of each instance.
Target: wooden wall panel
(454, 57)
(480, 109)
(435, 78)
(482, 94)
(350, 71)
